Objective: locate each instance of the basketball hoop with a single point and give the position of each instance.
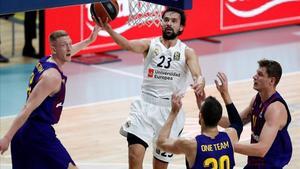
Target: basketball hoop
(144, 13)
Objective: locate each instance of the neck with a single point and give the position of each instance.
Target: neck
(264, 95)
(211, 132)
(168, 43)
(57, 61)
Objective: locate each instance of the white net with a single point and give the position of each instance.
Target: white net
(144, 13)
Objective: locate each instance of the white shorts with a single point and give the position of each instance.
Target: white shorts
(147, 116)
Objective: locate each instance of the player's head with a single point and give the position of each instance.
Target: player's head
(267, 75)
(61, 45)
(210, 112)
(173, 22)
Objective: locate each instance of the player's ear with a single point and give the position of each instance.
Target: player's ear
(181, 28)
(53, 50)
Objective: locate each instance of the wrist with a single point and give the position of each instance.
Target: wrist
(7, 138)
(201, 80)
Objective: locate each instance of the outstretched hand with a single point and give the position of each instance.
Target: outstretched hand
(223, 87)
(100, 23)
(176, 103)
(94, 34)
(200, 98)
(4, 143)
(198, 86)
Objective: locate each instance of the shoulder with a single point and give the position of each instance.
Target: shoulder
(187, 143)
(144, 41)
(275, 110)
(232, 134)
(190, 52)
(276, 115)
(52, 75)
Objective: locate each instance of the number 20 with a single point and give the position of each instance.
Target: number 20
(217, 164)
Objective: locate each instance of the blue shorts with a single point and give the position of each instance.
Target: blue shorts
(35, 146)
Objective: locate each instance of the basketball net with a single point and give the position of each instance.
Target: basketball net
(144, 13)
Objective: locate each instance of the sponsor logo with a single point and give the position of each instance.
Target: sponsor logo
(150, 73)
(162, 74)
(236, 14)
(260, 115)
(256, 8)
(59, 105)
(39, 67)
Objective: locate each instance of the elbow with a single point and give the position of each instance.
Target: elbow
(159, 143)
(262, 151)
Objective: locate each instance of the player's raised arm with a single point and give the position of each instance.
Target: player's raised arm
(83, 44)
(138, 46)
(193, 64)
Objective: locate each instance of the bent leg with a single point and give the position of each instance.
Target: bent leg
(158, 164)
(136, 151)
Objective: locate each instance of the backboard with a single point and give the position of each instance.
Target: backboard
(181, 4)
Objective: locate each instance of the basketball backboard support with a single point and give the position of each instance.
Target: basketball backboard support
(12, 6)
(181, 4)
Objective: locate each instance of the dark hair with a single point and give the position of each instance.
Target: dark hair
(179, 11)
(273, 69)
(211, 111)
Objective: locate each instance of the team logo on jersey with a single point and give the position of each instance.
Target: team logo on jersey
(150, 73)
(156, 51)
(176, 56)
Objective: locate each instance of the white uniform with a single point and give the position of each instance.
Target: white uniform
(165, 71)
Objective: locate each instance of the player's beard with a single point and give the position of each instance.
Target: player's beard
(169, 36)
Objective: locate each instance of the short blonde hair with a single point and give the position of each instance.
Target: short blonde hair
(57, 34)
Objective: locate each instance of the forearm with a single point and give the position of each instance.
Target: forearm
(234, 118)
(256, 150)
(17, 124)
(165, 130)
(81, 45)
(226, 97)
(224, 122)
(119, 39)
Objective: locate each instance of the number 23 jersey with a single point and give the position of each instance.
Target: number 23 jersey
(165, 69)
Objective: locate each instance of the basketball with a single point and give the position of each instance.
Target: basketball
(106, 9)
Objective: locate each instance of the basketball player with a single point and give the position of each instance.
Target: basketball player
(34, 144)
(167, 62)
(268, 112)
(210, 149)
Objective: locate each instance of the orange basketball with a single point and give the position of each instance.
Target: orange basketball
(105, 9)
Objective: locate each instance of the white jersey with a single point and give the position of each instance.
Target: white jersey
(165, 69)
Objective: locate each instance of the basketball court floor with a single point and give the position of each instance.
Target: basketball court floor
(99, 96)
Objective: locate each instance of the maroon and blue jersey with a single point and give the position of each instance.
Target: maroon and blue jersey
(50, 109)
(214, 153)
(35, 145)
(280, 152)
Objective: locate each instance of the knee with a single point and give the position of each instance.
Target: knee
(135, 155)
